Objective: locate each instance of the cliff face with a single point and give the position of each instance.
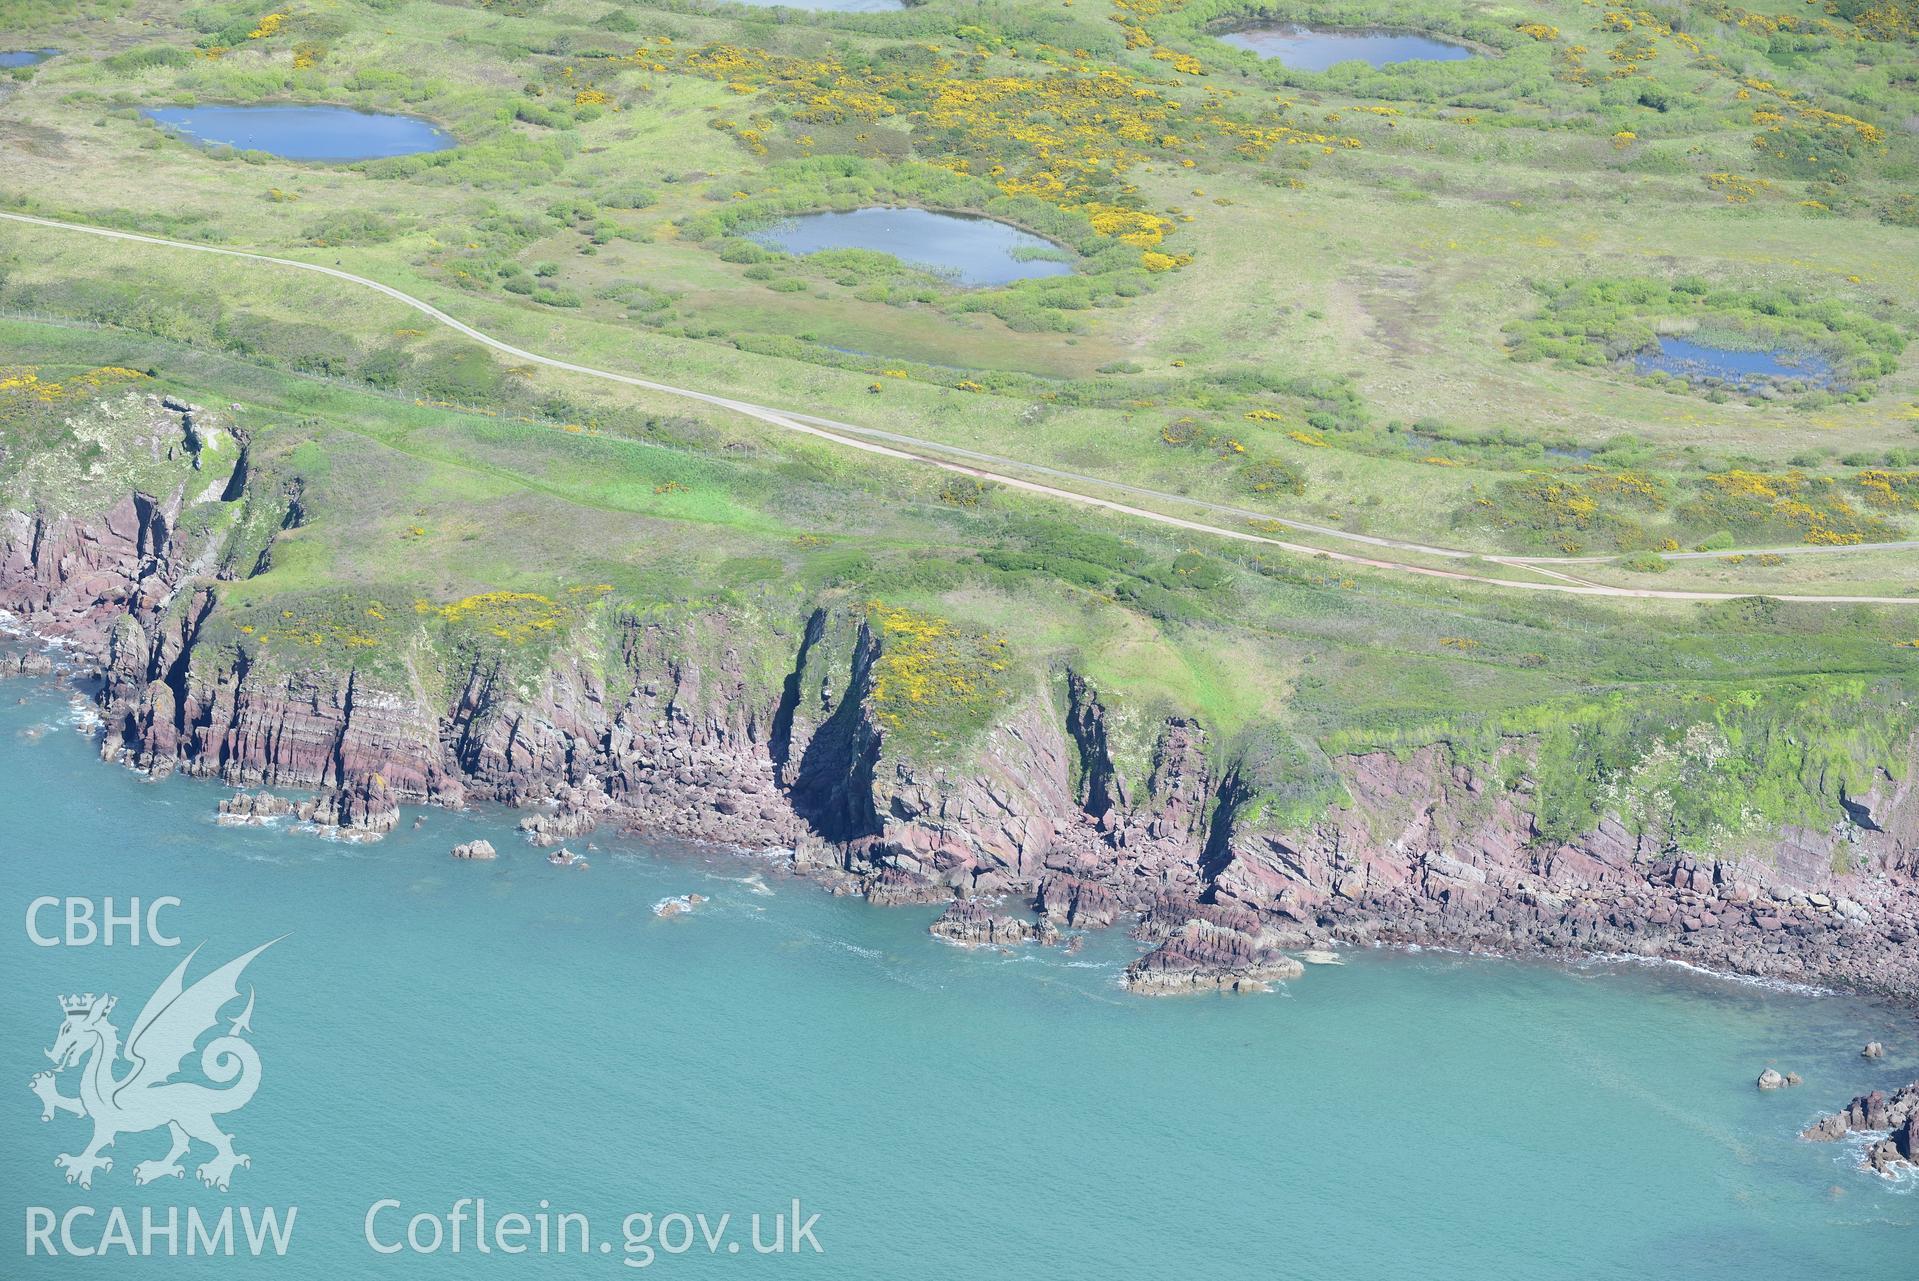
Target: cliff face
(77, 578)
(1428, 853)
(686, 728)
(678, 746)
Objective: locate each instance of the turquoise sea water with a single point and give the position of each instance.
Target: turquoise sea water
(431, 1030)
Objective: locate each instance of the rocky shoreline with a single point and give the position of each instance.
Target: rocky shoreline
(1060, 816)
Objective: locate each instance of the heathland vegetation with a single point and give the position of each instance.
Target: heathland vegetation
(1399, 302)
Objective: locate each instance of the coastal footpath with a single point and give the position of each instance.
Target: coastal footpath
(1070, 810)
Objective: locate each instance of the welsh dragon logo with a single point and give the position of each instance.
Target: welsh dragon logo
(146, 1096)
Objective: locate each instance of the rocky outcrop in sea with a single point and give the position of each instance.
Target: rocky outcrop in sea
(1894, 1117)
(1201, 947)
(358, 812)
(975, 923)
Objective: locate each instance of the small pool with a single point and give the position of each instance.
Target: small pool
(1304, 48)
(25, 57)
(1746, 370)
(964, 248)
(305, 133)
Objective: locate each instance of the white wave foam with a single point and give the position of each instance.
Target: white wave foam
(753, 881)
(341, 835)
(84, 716)
(1902, 1181)
(1748, 980)
(256, 820)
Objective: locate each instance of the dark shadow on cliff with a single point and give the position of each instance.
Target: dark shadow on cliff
(832, 790)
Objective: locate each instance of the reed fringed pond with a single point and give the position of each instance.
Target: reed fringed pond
(1704, 363)
(1303, 48)
(964, 248)
(304, 132)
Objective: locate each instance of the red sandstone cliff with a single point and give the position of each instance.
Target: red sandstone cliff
(683, 738)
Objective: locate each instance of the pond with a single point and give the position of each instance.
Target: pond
(1745, 370)
(1303, 48)
(305, 133)
(24, 57)
(964, 248)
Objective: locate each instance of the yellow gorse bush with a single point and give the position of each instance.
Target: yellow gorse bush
(24, 384)
(1821, 513)
(1065, 133)
(1735, 188)
(513, 617)
(1890, 20)
(1889, 488)
(928, 670)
